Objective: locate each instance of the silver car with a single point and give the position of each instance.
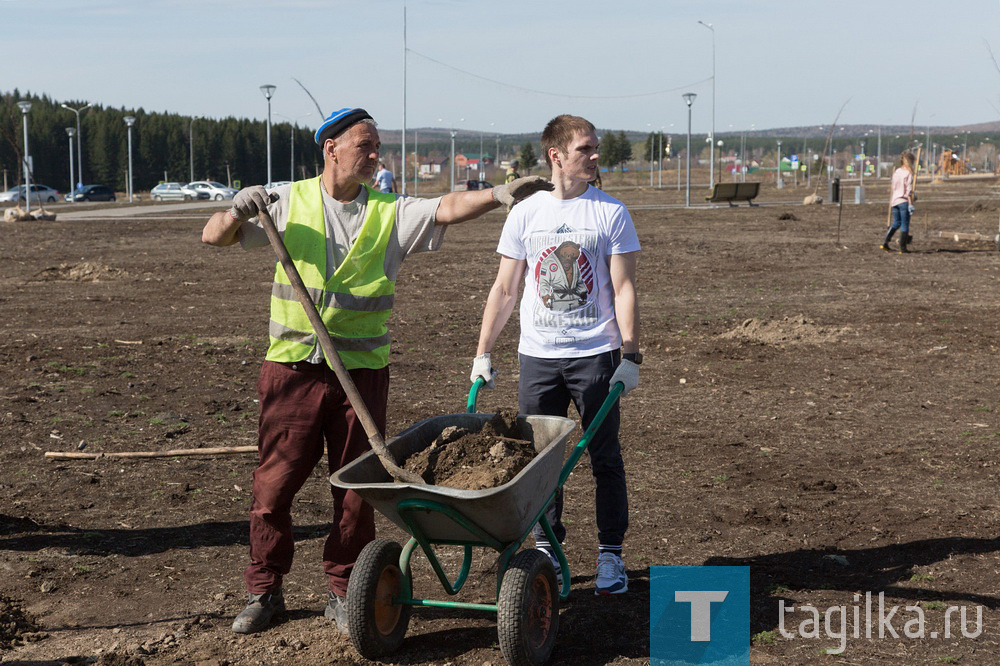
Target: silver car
(176, 192)
(39, 194)
(215, 190)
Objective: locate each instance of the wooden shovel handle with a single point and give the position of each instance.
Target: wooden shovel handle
(333, 358)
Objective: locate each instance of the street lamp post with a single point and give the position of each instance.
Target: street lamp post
(720, 159)
(652, 149)
(862, 165)
(190, 145)
(71, 132)
(268, 91)
(712, 156)
(659, 163)
(25, 108)
(129, 121)
(295, 125)
(689, 98)
(451, 164)
(79, 137)
(778, 182)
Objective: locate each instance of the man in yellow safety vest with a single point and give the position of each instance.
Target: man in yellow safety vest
(347, 241)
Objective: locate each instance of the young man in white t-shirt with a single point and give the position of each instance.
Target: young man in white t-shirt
(575, 249)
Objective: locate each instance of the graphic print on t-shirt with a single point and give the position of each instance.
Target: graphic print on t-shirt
(564, 277)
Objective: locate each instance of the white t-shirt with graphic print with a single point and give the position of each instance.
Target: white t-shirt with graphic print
(568, 306)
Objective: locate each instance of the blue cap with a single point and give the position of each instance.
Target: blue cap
(337, 122)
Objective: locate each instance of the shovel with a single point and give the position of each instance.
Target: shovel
(330, 351)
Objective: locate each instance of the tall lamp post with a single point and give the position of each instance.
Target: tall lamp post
(862, 164)
(720, 160)
(451, 164)
(295, 126)
(712, 156)
(71, 132)
(778, 183)
(268, 91)
(190, 145)
(689, 98)
(79, 136)
(129, 121)
(25, 108)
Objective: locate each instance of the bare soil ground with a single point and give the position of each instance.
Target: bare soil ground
(814, 408)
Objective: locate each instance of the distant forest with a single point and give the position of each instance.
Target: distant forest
(161, 146)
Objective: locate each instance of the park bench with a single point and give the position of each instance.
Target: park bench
(733, 192)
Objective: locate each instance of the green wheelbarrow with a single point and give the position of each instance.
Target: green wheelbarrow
(380, 593)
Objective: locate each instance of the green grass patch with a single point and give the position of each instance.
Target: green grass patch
(764, 638)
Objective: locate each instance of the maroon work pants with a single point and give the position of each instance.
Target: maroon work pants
(304, 411)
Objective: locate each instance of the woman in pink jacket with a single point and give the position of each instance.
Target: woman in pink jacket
(901, 201)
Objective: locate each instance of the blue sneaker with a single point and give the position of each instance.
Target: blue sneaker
(611, 577)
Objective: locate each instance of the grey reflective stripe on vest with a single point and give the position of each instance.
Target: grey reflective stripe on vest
(276, 330)
(335, 300)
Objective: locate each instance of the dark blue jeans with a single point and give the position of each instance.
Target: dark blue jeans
(900, 219)
(547, 386)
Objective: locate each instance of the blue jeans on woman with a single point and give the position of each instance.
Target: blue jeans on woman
(900, 219)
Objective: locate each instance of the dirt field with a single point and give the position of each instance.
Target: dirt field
(823, 412)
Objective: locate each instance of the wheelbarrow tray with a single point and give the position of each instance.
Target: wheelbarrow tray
(505, 513)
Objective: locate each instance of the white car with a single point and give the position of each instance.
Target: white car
(176, 191)
(39, 194)
(215, 190)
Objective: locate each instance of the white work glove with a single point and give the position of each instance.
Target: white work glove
(520, 188)
(248, 202)
(482, 367)
(628, 374)
(912, 209)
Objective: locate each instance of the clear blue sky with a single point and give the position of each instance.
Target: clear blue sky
(778, 62)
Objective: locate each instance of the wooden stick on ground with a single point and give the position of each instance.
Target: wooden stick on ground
(219, 450)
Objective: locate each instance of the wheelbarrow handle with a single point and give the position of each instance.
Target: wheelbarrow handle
(474, 395)
(602, 414)
(333, 358)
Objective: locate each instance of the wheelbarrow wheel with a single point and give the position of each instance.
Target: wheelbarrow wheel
(528, 609)
(377, 625)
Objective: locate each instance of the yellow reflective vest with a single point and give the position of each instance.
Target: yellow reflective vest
(355, 303)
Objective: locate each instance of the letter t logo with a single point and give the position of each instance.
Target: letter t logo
(701, 610)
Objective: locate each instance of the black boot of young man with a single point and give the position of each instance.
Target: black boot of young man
(260, 610)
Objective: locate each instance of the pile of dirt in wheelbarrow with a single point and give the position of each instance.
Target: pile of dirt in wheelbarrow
(467, 460)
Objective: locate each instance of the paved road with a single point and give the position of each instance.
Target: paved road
(147, 211)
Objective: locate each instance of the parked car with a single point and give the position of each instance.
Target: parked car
(215, 190)
(92, 193)
(39, 194)
(463, 185)
(176, 192)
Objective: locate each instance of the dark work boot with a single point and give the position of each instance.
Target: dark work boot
(904, 240)
(885, 242)
(259, 612)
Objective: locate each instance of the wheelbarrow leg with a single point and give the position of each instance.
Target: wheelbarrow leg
(560, 555)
